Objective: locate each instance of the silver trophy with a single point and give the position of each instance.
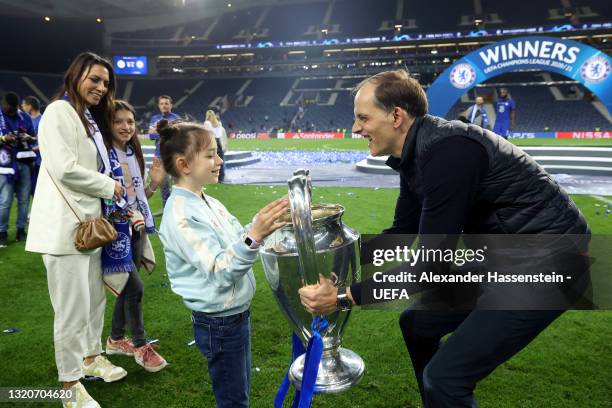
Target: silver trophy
(314, 242)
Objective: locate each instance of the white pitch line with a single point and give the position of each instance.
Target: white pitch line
(602, 199)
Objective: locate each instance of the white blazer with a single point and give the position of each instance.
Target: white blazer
(71, 158)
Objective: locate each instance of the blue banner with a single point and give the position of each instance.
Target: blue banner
(579, 62)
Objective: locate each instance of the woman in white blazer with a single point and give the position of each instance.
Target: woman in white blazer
(70, 158)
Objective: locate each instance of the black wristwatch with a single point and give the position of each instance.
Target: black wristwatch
(343, 303)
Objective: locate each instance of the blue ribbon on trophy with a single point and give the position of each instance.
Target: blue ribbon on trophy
(314, 351)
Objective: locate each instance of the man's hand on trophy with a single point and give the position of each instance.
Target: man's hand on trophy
(320, 298)
(266, 221)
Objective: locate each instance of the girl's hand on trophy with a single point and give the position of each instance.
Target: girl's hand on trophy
(266, 221)
(320, 298)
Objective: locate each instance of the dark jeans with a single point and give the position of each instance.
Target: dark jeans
(447, 373)
(220, 154)
(165, 188)
(128, 306)
(226, 344)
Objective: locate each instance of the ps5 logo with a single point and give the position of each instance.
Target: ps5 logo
(462, 76)
(596, 69)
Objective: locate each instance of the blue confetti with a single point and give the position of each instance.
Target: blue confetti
(350, 193)
(307, 158)
(151, 341)
(597, 213)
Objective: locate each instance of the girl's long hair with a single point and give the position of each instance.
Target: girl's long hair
(134, 142)
(103, 111)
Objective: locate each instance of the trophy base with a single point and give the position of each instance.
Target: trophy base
(339, 370)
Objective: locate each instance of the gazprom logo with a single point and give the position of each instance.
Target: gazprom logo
(595, 69)
(462, 76)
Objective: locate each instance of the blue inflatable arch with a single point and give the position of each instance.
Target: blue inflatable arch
(577, 61)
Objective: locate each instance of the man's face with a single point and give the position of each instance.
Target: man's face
(165, 106)
(373, 123)
(479, 101)
(503, 92)
(26, 107)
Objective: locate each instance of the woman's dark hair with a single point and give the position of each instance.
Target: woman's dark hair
(102, 113)
(121, 105)
(181, 138)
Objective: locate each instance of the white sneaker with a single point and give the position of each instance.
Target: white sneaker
(80, 398)
(102, 369)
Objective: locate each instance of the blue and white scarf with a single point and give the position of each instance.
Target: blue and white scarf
(116, 256)
(137, 182)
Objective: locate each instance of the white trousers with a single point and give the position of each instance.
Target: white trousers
(78, 299)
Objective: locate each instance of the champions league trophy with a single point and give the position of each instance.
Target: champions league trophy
(315, 242)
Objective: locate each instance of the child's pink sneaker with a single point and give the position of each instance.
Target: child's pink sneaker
(147, 357)
(122, 346)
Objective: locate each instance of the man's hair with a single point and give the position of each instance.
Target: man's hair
(168, 97)
(11, 99)
(397, 88)
(33, 102)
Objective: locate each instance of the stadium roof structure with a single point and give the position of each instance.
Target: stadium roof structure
(182, 10)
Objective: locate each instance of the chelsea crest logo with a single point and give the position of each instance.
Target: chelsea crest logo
(462, 76)
(119, 248)
(596, 69)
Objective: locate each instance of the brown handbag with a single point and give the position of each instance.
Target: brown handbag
(90, 234)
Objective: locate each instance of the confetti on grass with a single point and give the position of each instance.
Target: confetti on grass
(11, 330)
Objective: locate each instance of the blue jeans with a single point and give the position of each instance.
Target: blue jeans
(226, 344)
(21, 186)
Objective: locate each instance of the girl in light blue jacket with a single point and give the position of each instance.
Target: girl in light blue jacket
(209, 257)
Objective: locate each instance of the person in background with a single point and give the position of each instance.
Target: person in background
(17, 138)
(505, 108)
(31, 106)
(214, 124)
(477, 114)
(164, 103)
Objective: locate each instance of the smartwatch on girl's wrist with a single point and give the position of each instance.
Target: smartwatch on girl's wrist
(250, 241)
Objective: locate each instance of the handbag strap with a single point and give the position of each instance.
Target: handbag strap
(63, 196)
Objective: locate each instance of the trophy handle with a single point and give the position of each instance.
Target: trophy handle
(301, 215)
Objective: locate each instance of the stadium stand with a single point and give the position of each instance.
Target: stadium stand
(266, 104)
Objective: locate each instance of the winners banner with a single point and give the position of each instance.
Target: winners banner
(577, 61)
